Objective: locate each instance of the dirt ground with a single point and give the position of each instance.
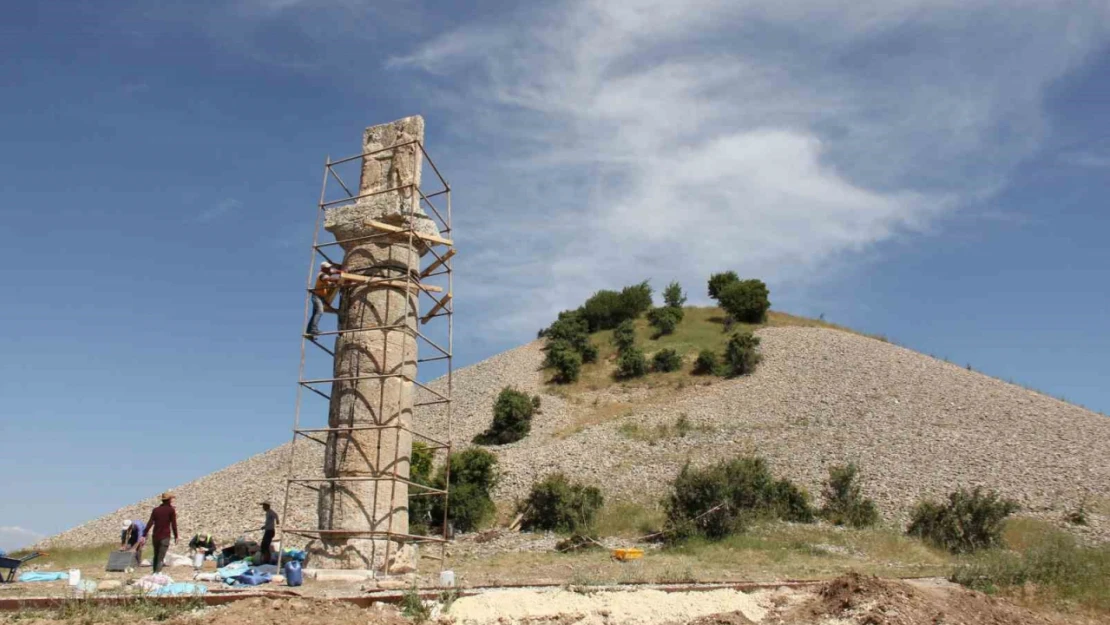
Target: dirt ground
(848, 600)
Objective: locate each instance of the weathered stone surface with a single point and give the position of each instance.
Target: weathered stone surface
(377, 357)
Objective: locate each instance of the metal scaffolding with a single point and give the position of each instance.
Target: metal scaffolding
(419, 280)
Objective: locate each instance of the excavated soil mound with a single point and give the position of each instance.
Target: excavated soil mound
(861, 600)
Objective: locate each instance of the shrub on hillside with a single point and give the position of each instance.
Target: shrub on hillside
(707, 363)
(664, 319)
(624, 336)
(606, 309)
(631, 363)
(636, 299)
(472, 479)
(512, 418)
(557, 504)
(673, 297)
(420, 504)
(844, 501)
(567, 362)
(718, 282)
(571, 331)
(666, 360)
(746, 300)
(719, 500)
(967, 521)
(741, 355)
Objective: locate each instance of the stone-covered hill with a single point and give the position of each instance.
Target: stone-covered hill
(918, 426)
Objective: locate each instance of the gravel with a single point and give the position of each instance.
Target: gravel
(916, 425)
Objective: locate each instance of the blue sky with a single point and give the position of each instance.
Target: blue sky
(931, 170)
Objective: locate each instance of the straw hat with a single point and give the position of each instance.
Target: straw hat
(167, 496)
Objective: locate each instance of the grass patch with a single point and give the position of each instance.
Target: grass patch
(651, 435)
(627, 519)
(768, 551)
(1042, 565)
(137, 610)
(74, 557)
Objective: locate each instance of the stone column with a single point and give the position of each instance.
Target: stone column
(379, 351)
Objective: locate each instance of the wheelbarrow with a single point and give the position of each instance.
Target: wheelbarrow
(13, 564)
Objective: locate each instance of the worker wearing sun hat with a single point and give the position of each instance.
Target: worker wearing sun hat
(131, 537)
(163, 519)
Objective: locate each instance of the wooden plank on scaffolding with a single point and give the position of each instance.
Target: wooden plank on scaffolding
(436, 308)
(438, 263)
(431, 238)
(393, 282)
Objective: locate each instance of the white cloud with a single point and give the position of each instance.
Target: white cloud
(601, 143)
(13, 537)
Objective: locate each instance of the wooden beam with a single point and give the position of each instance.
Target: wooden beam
(431, 238)
(394, 282)
(439, 261)
(439, 306)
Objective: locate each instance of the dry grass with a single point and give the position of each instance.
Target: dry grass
(770, 551)
(72, 558)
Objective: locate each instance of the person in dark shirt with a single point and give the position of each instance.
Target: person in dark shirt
(204, 543)
(132, 538)
(163, 520)
(267, 531)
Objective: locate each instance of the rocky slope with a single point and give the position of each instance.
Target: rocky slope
(917, 426)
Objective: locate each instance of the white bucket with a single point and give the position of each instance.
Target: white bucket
(447, 578)
(198, 559)
(74, 577)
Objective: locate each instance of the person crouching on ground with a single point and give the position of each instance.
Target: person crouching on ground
(132, 537)
(163, 520)
(204, 543)
(327, 284)
(268, 528)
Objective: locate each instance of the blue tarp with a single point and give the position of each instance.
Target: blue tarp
(233, 570)
(253, 578)
(179, 588)
(42, 576)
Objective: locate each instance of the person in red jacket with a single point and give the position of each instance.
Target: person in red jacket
(163, 520)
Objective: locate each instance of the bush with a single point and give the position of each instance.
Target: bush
(536, 403)
(420, 504)
(707, 363)
(588, 352)
(673, 296)
(636, 299)
(741, 356)
(560, 505)
(569, 332)
(745, 300)
(718, 281)
(844, 502)
(968, 521)
(664, 319)
(631, 363)
(512, 418)
(607, 309)
(666, 360)
(722, 498)
(473, 477)
(624, 336)
(565, 360)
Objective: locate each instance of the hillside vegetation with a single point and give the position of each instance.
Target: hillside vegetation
(820, 397)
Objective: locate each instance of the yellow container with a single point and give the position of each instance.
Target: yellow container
(627, 554)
